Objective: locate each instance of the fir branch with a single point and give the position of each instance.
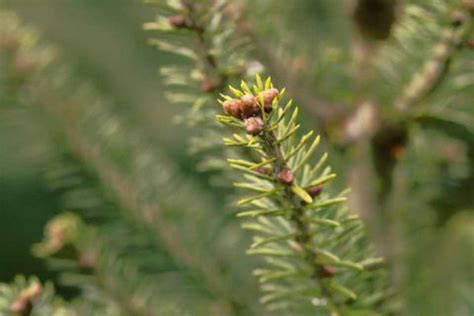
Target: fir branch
(206, 30)
(149, 213)
(68, 239)
(190, 19)
(293, 216)
(203, 31)
(436, 67)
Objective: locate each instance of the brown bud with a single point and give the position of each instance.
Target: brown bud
(208, 85)
(254, 125)
(327, 272)
(263, 170)
(178, 21)
(315, 191)
(268, 97)
(233, 108)
(249, 105)
(286, 176)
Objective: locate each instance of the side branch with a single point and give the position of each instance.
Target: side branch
(436, 67)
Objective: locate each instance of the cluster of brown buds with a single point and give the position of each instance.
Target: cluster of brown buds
(23, 304)
(248, 108)
(178, 21)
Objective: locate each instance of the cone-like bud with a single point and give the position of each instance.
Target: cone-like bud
(263, 170)
(178, 21)
(327, 272)
(315, 191)
(208, 85)
(254, 125)
(286, 176)
(268, 97)
(233, 108)
(249, 105)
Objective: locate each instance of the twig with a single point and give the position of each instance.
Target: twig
(291, 201)
(436, 67)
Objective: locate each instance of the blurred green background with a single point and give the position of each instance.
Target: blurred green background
(104, 40)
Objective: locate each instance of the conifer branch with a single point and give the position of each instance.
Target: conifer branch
(299, 229)
(189, 18)
(203, 32)
(436, 66)
(67, 237)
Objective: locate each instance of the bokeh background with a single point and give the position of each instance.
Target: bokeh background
(105, 42)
